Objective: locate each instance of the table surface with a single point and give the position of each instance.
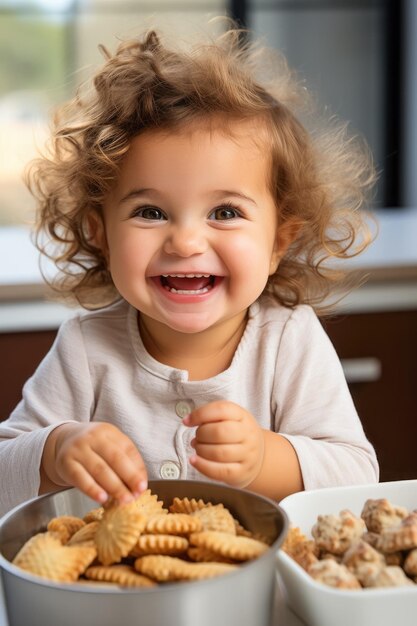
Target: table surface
(283, 616)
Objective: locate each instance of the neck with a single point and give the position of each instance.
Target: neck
(203, 354)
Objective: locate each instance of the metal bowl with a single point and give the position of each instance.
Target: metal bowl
(242, 598)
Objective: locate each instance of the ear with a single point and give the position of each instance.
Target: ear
(97, 232)
(286, 234)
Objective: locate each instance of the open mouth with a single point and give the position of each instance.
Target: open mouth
(188, 284)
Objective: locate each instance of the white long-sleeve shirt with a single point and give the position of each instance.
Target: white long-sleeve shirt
(285, 372)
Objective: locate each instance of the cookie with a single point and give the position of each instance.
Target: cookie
(118, 532)
(173, 524)
(122, 575)
(44, 555)
(229, 546)
(168, 568)
(159, 544)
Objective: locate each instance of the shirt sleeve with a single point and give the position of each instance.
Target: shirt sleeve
(314, 408)
(59, 391)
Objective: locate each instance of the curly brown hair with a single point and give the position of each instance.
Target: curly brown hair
(320, 177)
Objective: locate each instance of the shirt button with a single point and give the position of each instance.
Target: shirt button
(169, 470)
(184, 407)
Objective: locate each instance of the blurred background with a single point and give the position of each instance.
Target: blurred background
(358, 56)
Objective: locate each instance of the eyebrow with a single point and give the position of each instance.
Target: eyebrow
(135, 193)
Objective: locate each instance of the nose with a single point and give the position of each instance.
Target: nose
(185, 240)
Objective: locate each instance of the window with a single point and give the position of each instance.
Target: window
(49, 46)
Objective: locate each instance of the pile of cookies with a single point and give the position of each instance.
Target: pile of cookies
(377, 549)
(141, 544)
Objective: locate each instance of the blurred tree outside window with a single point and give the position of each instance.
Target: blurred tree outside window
(33, 67)
(47, 47)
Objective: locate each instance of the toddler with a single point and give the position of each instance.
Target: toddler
(192, 212)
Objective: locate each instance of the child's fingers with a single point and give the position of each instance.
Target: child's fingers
(218, 411)
(230, 473)
(223, 453)
(227, 432)
(104, 475)
(127, 464)
(82, 480)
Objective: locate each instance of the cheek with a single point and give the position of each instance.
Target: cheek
(249, 253)
(127, 253)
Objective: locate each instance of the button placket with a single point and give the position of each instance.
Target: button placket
(169, 470)
(184, 407)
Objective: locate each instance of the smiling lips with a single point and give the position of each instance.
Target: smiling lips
(188, 284)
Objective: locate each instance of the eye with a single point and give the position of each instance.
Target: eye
(225, 212)
(150, 213)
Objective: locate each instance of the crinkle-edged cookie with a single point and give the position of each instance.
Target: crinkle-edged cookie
(217, 518)
(94, 515)
(44, 555)
(121, 575)
(335, 533)
(229, 546)
(149, 505)
(159, 544)
(65, 526)
(118, 532)
(173, 524)
(170, 568)
(333, 574)
(379, 514)
(86, 534)
(202, 555)
(187, 505)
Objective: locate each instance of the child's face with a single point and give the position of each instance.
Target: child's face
(191, 227)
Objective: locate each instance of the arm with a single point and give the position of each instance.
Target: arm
(52, 424)
(318, 439)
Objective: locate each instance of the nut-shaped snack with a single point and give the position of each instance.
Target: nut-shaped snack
(410, 563)
(390, 576)
(304, 551)
(44, 555)
(379, 514)
(333, 574)
(363, 561)
(170, 568)
(335, 533)
(403, 536)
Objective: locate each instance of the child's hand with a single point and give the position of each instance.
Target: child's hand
(229, 443)
(97, 458)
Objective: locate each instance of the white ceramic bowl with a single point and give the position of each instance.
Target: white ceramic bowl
(319, 605)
